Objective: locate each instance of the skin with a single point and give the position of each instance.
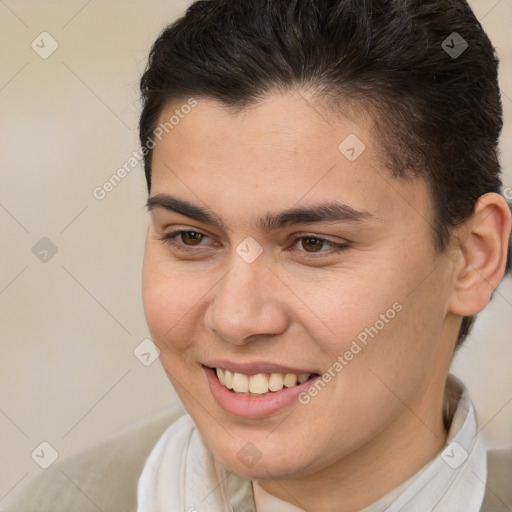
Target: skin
(380, 419)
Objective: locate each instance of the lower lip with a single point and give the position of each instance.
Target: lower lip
(253, 406)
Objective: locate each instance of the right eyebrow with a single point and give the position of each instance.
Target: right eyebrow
(173, 204)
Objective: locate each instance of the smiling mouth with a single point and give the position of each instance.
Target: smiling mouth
(260, 383)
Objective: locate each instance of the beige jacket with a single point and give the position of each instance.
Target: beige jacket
(104, 477)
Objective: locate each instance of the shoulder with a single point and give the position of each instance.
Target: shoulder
(498, 493)
(102, 477)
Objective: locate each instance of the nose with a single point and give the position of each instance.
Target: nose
(247, 303)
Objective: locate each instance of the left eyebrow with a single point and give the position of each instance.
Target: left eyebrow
(324, 212)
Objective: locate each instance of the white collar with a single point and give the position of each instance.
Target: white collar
(454, 480)
(182, 474)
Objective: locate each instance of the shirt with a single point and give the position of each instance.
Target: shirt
(104, 476)
(453, 481)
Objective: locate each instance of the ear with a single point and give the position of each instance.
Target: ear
(482, 248)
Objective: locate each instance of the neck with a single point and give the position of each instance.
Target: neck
(367, 474)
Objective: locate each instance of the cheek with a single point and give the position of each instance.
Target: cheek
(169, 300)
(345, 306)
(386, 318)
(170, 315)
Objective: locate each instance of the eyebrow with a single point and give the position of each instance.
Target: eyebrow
(332, 211)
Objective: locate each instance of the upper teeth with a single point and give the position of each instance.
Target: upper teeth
(261, 382)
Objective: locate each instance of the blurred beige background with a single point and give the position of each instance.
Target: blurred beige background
(69, 325)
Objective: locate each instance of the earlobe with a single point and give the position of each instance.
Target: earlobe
(483, 249)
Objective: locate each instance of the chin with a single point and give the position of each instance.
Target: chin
(263, 469)
(262, 460)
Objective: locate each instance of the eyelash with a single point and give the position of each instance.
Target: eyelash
(169, 238)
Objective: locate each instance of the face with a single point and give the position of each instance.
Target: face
(278, 246)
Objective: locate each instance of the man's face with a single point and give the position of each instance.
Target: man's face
(254, 291)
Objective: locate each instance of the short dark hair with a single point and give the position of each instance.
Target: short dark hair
(437, 115)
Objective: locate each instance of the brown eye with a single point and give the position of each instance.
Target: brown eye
(191, 237)
(312, 244)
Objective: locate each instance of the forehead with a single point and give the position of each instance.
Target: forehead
(284, 150)
(290, 124)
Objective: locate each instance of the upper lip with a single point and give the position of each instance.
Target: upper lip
(252, 368)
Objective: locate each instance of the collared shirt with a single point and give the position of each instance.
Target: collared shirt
(454, 481)
(179, 473)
